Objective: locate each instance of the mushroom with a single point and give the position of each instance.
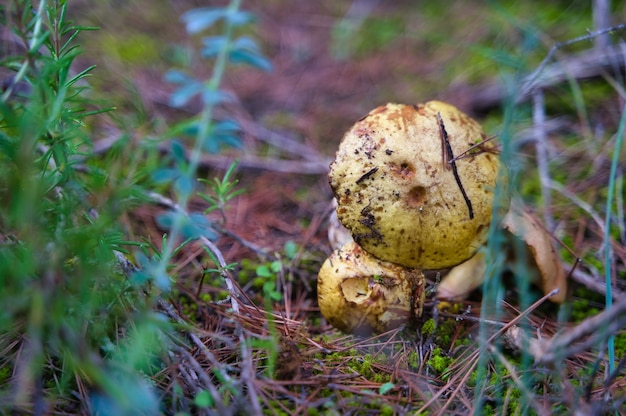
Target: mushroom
(414, 186)
(461, 280)
(401, 192)
(360, 294)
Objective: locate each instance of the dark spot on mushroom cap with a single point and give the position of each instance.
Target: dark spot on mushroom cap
(404, 170)
(416, 196)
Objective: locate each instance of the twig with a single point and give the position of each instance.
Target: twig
(280, 141)
(200, 373)
(601, 12)
(468, 152)
(541, 149)
(597, 285)
(529, 85)
(311, 162)
(261, 252)
(246, 357)
(300, 167)
(601, 327)
(449, 159)
(228, 279)
(588, 64)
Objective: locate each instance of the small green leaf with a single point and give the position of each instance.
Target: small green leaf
(177, 77)
(246, 51)
(386, 388)
(203, 399)
(238, 17)
(214, 97)
(202, 18)
(185, 93)
(178, 151)
(213, 45)
(291, 249)
(184, 186)
(263, 271)
(269, 289)
(276, 266)
(165, 175)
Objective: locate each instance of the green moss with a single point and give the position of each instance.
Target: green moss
(413, 359)
(5, 374)
(386, 410)
(312, 411)
(620, 344)
(132, 49)
(438, 362)
(428, 327)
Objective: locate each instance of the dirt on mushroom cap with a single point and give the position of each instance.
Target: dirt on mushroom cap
(400, 200)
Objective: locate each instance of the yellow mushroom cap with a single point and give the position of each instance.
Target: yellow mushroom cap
(358, 293)
(400, 200)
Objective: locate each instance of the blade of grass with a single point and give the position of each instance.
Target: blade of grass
(607, 230)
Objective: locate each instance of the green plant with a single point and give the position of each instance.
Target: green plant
(222, 191)
(64, 294)
(77, 314)
(206, 133)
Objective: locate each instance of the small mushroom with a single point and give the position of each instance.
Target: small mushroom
(360, 294)
(401, 192)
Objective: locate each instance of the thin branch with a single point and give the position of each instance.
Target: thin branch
(449, 159)
(541, 150)
(595, 284)
(529, 85)
(300, 167)
(588, 64)
(228, 279)
(600, 327)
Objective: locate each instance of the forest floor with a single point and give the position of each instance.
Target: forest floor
(332, 63)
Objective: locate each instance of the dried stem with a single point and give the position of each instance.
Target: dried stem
(541, 149)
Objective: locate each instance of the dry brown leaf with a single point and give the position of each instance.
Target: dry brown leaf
(542, 255)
